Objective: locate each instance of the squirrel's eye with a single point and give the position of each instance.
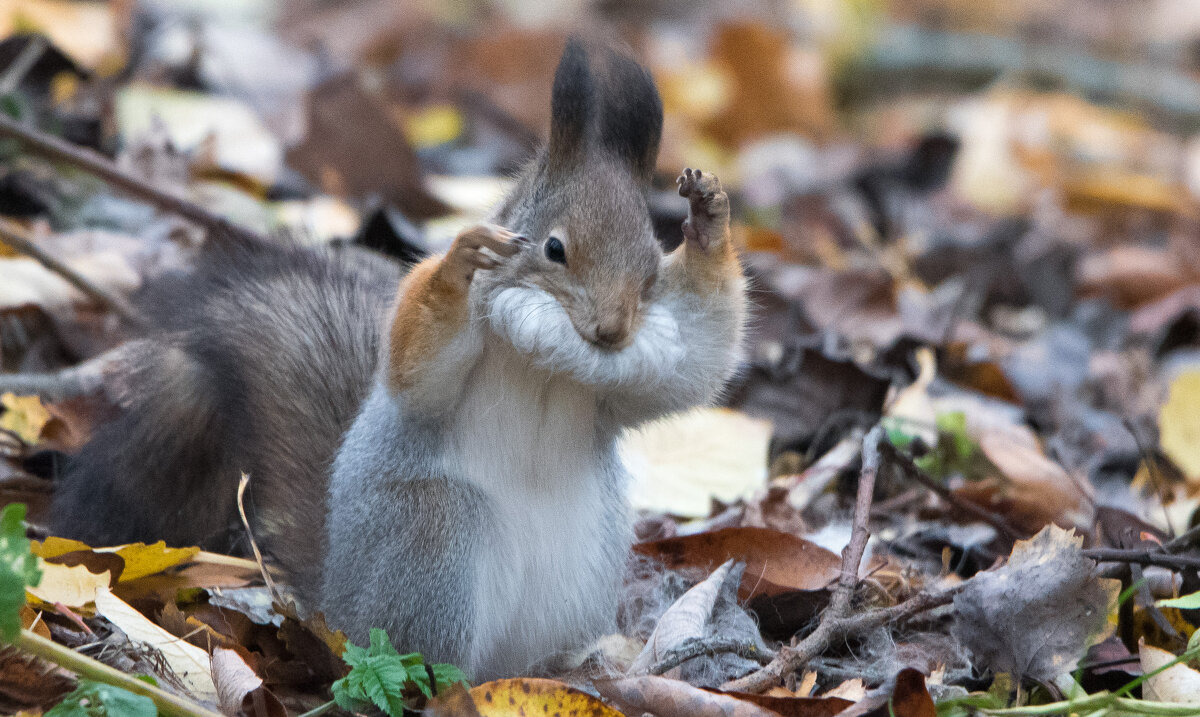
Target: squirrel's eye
(555, 251)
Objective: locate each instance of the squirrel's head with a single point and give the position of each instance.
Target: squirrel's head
(581, 201)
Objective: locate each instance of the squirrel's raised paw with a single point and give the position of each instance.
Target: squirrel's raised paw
(467, 254)
(708, 208)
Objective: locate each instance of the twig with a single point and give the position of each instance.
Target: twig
(1183, 541)
(790, 659)
(1143, 557)
(696, 647)
(20, 67)
(56, 149)
(63, 656)
(14, 236)
(913, 472)
(1152, 469)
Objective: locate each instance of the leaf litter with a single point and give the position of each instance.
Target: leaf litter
(1003, 272)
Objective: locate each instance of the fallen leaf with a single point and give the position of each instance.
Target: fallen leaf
(73, 586)
(240, 692)
(510, 698)
(680, 464)
(189, 663)
(791, 706)
(1037, 615)
(672, 698)
(1179, 424)
(24, 416)
(685, 619)
(1041, 490)
(852, 689)
(775, 562)
(1177, 684)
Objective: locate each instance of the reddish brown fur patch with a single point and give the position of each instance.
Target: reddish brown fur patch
(430, 311)
(705, 272)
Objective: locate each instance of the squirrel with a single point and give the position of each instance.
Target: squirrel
(438, 460)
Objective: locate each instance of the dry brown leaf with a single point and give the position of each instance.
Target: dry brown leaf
(775, 562)
(793, 706)
(1041, 491)
(672, 698)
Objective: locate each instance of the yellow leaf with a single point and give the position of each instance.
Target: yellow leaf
(1179, 424)
(527, 696)
(142, 560)
(53, 547)
(74, 586)
(434, 125)
(24, 416)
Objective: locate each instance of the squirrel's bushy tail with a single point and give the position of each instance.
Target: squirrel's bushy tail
(257, 363)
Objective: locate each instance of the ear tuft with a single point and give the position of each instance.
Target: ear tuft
(570, 104)
(632, 116)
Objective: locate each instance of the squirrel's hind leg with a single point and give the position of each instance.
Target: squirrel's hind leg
(408, 564)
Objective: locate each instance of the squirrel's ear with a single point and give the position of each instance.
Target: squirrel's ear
(632, 117)
(570, 106)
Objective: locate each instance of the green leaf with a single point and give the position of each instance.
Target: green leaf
(96, 699)
(1184, 602)
(18, 568)
(446, 675)
(380, 676)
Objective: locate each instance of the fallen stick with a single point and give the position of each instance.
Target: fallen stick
(913, 472)
(220, 228)
(789, 659)
(837, 620)
(11, 234)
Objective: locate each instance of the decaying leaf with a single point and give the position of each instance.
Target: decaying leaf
(1037, 615)
(686, 618)
(529, 696)
(775, 562)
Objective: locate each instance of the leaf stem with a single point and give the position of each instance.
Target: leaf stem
(63, 656)
(319, 710)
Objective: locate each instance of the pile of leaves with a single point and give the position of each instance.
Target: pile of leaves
(959, 472)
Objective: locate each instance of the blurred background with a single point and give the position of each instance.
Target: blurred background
(1011, 184)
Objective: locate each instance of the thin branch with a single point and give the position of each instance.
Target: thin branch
(791, 659)
(695, 647)
(1183, 541)
(913, 472)
(56, 149)
(14, 236)
(1143, 557)
(63, 656)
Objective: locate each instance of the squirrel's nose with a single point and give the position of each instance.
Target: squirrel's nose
(610, 334)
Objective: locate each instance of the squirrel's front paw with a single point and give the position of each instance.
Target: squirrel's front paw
(708, 208)
(466, 254)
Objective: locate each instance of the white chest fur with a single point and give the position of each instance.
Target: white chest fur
(532, 441)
